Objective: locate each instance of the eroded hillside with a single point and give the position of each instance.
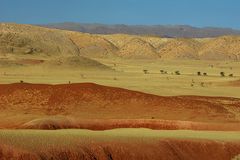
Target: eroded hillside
(18, 39)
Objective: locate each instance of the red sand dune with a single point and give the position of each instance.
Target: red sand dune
(91, 101)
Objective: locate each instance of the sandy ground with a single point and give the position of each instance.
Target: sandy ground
(129, 74)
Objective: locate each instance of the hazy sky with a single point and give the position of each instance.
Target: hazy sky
(219, 13)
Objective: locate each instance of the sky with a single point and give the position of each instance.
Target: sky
(198, 13)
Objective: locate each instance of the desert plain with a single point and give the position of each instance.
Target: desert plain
(72, 95)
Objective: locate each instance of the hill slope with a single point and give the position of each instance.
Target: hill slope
(180, 49)
(221, 48)
(28, 40)
(138, 48)
(92, 101)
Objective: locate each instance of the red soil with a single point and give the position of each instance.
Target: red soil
(30, 61)
(92, 101)
(100, 124)
(130, 149)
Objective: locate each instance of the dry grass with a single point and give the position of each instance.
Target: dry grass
(129, 74)
(119, 144)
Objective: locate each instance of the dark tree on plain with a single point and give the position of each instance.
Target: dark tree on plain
(145, 71)
(222, 74)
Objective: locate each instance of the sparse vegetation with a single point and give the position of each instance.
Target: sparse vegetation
(177, 72)
(230, 75)
(163, 72)
(222, 74)
(145, 71)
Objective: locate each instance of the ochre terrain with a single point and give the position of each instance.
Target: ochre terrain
(59, 66)
(124, 149)
(85, 105)
(17, 39)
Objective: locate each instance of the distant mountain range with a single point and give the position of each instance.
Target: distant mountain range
(167, 31)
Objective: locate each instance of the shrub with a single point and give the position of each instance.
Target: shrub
(199, 73)
(145, 71)
(177, 72)
(205, 74)
(230, 75)
(222, 74)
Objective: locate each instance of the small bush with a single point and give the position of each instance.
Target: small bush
(145, 71)
(222, 74)
(205, 74)
(177, 72)
(199, 73)
(230, 75)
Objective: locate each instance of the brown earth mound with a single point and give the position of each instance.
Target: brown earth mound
(51, 123)
(92, 101)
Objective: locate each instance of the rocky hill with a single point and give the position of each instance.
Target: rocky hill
(16, 39)
(27, 39)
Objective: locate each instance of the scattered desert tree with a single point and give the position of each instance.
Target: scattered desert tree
(177, 72)
(222, 74)
(205, 74)
(145, 71)
(230, 75)
(199, 73)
